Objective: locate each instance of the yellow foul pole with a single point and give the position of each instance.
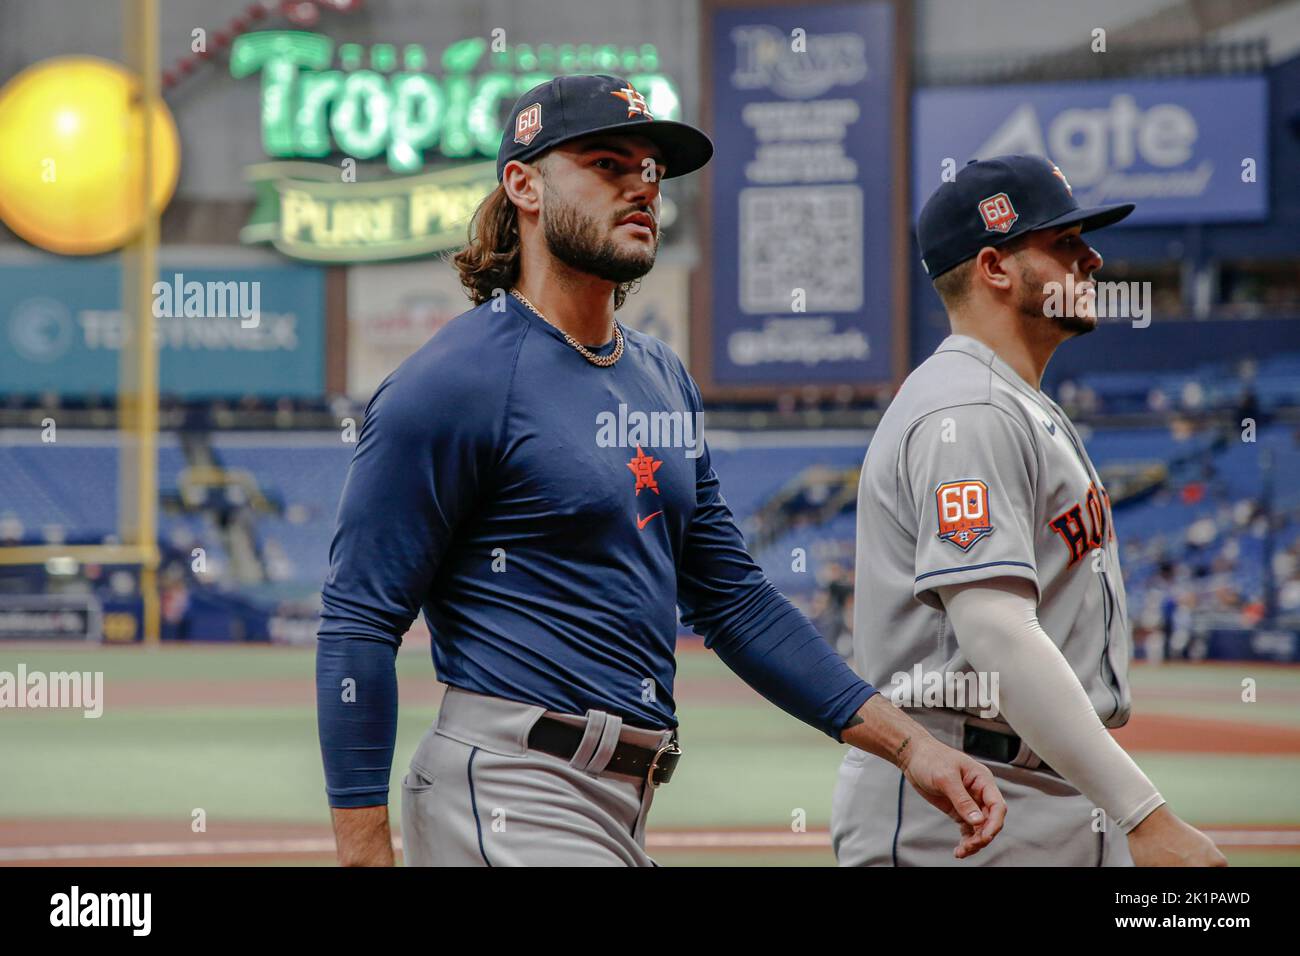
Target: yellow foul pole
(138, 359)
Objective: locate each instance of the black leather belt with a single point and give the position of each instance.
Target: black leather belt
(993, 745)
(558, 739)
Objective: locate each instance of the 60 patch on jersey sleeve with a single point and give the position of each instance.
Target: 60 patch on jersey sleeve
(963, 512)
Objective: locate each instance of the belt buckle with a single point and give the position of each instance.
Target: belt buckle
(669, 748)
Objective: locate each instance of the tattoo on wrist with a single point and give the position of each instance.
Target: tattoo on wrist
(853, 722)
(901, 747)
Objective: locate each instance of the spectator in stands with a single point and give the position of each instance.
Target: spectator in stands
(174, 601)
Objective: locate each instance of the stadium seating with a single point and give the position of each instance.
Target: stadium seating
(788, 491)
(60, 493)
(305, 473)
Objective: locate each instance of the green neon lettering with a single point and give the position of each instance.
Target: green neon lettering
(279, 54)
(360, 120)
(311, 110)
(417, 120)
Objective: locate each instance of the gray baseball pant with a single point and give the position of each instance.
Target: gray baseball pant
(878, 819)
(477, 796)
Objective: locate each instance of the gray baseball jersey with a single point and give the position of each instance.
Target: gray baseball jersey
(974, 474)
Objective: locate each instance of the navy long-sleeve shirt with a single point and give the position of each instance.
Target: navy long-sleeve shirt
(548, 516)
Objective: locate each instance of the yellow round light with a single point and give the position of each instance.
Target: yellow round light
(71, 168)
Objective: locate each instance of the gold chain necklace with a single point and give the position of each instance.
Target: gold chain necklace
(604, 361)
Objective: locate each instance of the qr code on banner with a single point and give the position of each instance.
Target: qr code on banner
(801, 237)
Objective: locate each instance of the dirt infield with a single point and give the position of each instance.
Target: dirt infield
(154, 843)
(1147, 733)
(107, 842)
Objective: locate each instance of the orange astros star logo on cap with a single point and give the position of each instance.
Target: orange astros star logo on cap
(635, 101)
(1056, 171)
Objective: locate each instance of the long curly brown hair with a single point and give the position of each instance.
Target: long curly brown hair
(491, 258)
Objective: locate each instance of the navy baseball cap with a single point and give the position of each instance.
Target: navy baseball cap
(568, 107)
(992, 201)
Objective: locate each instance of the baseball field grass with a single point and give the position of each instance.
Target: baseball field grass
(226, 736)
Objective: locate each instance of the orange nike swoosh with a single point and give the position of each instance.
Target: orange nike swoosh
(642, 522)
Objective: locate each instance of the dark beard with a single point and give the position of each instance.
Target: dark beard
(1075, 325)
(1033, 306)
(574, 239)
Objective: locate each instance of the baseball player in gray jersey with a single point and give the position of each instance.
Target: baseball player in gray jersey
(989, 598)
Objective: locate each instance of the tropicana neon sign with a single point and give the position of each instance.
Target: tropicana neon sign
(310, 110)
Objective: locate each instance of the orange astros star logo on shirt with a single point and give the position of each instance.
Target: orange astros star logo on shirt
(644, 467)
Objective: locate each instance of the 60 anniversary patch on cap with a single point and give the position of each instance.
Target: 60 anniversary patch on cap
(569, 107)
(991, 201)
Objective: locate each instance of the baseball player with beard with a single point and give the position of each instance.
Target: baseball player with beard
(985, 546)
(550, 553)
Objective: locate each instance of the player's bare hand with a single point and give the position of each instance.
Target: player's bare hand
(363, 836)
(1162, 839)
(962, 788)
(948, 779)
